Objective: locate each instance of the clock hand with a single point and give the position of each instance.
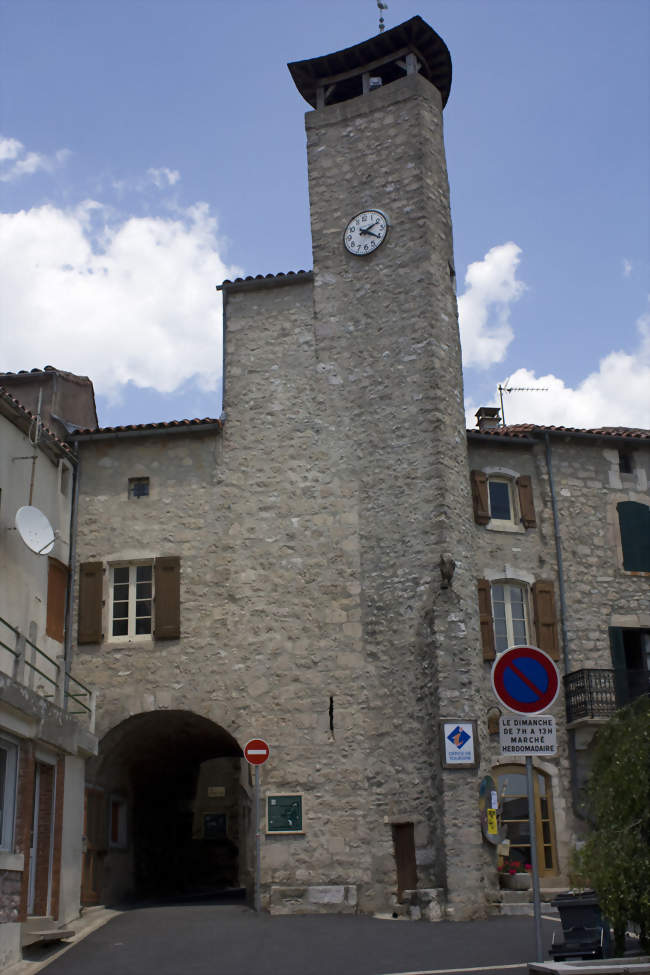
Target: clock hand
(370, 233)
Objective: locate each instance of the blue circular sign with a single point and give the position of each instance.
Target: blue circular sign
(525, 680)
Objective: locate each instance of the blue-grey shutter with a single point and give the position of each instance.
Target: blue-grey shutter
(634, 523)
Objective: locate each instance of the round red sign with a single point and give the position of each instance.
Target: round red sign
(525, 680)
(256, 751)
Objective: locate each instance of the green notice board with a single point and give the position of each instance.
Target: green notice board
(284, 814)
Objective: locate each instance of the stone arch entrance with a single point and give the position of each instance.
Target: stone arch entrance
(168, 810)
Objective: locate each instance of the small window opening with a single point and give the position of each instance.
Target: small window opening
(138, 487)
(500, 500)
(625, 464)
(331, 712)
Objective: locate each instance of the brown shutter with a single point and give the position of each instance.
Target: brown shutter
(545, 618)
(480, 497)
(57, 590)
(526, 505)
(167, 598)
(485, 616)
(91, 583)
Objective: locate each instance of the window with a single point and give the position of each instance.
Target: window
(625, 462)
(510, 615)
(631, 663)
(515, 820)
(504, 613)
(138, 487)
(118, 835)
(142, 600)
(502, 500)
(131, 600)
(8, 762)
(634, 524)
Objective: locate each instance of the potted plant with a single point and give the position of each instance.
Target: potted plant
(514, 875)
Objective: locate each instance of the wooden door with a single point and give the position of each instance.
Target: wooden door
(94, 846)
(40, 860)
(404, 846)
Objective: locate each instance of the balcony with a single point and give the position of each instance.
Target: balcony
(30, 666)
(593, 695)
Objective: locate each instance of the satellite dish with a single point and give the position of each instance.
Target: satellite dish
(35, 530)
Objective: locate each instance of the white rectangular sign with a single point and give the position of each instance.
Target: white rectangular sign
(458, 744)
(520, 735)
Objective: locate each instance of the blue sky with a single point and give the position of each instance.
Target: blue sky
(149, 148)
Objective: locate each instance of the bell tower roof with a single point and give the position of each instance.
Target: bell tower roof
(408, 48)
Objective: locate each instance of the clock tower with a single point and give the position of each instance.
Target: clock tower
(391, 395)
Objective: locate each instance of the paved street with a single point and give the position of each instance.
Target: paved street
(218, 939)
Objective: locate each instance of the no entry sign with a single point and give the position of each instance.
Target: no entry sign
(256, 751)
(525, 680)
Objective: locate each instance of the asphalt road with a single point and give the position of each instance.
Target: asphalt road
(218, 939)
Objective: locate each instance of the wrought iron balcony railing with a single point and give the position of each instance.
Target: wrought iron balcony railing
(599, 693)
(31, 666)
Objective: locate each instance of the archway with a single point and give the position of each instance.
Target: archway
(167, 810)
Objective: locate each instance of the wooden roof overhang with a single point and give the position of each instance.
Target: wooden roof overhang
(342, 68)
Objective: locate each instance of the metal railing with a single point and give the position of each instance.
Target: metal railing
(599, 693)
(58, 681)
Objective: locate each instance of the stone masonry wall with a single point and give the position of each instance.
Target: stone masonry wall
(390, 392)
(598, 592)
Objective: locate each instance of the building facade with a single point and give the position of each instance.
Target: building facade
(45, 715)
(334, 564)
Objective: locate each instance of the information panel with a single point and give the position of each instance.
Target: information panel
(284, 814)
(521, 735)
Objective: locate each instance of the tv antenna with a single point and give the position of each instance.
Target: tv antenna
(382, 6)
(516, 389)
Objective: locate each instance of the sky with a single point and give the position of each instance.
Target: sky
(151, 148)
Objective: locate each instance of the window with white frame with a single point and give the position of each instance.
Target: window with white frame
(510, 614)
(131, 601)
(502, 501)
(8, 763)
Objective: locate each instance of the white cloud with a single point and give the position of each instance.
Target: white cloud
(164, 177)
(132, 302)
(15, 161)
(491, 287)
(616, 394)
(627, 267)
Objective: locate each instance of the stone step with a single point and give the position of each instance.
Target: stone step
(43, 929)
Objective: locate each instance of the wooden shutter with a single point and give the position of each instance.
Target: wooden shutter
(546, 618)
(57, 590)
(91, 583)
(480, 497)
(634, 523)
(167, 598)
(485, 616)
(526, 506)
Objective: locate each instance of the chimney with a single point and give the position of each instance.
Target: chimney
(488, 417)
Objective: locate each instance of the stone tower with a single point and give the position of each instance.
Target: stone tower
(388, 356)
(294, 550)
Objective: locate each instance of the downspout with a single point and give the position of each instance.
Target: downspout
(571, 737)
(69, 605)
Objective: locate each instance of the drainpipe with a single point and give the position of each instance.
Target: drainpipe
(575, 801)
(69, 604)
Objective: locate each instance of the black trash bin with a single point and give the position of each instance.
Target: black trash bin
(585, 932)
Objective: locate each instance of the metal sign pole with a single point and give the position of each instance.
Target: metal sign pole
(258, 905)
(532, 819)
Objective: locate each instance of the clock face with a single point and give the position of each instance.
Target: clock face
(365, 232)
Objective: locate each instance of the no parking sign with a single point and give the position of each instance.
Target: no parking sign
(525, 680)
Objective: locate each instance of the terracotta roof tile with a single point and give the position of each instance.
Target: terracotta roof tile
(518, 430)
(163, 425)
(266, 277)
